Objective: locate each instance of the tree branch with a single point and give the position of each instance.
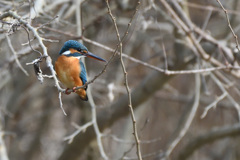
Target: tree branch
(213, 135)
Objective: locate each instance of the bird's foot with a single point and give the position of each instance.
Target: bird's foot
(67, 92)
(74, 89)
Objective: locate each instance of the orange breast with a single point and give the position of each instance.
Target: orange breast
(68, 71)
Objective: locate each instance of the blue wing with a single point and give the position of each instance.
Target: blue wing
(83, 74)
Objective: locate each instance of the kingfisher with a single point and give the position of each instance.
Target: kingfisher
(71, 70)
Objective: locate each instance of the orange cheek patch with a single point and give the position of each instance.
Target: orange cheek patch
(73, 50)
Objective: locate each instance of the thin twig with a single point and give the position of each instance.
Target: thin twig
(126, 152)
(230, 98)
(79, 129)
(147, 156)
(95, 126)
(44, 48)
(115, 138)
(187, 26)
(206, 7)
(165, 58)
(15, 55)
(230, 26)
(135, 133)
(47, 23)
(213, 104)
(61, 104)
(89, 93)
(189, 120)
(205, 23)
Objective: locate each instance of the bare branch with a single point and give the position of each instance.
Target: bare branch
(135, 133)
(95, 126)
(209, 137)
(61, 104)
(15, 55)
(79, 129)
(189, 120)
(230, 98)
(168, 72)
(213, 104)
(230, 26)
(188, 27)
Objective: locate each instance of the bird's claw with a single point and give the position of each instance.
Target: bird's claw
(67, 92)
(74, 89)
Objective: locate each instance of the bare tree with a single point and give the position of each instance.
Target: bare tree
(169, 87)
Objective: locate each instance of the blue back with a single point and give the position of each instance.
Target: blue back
(83, 74)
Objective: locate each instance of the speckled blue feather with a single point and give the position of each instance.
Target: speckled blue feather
(72, 44)
(83, 74)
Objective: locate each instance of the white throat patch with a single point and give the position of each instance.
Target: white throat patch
(79, 57)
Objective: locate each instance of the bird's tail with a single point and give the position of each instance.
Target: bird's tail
(83, 94)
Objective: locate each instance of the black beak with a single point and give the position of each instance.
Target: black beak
(91, 55)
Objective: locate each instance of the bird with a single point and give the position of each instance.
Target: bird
(70, 68)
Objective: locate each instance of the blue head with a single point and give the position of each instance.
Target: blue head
(73, 48)
(72, 44)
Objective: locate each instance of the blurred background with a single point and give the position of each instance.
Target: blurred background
(168, 108)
